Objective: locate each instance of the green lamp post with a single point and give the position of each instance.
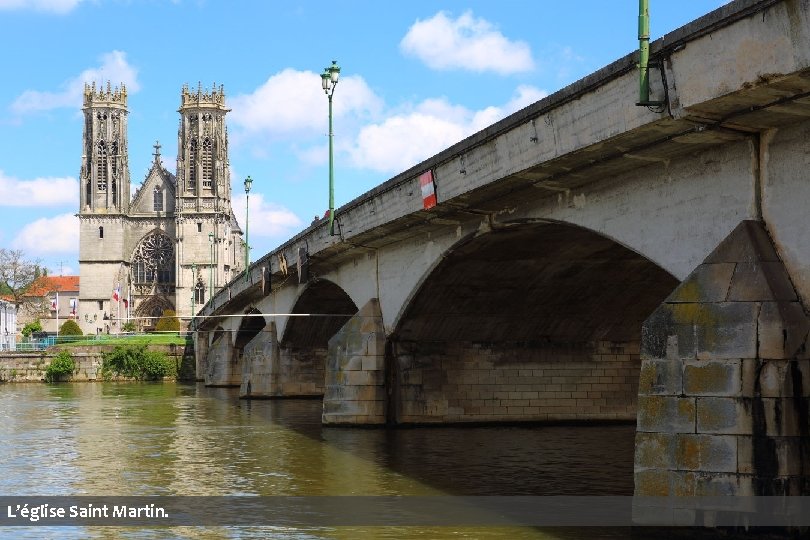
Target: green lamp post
(211, 268)
(248, 183)
(329, 80)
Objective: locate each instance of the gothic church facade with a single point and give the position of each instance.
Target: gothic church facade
(173, 242)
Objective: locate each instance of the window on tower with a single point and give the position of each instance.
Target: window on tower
(192, 165)
(207, 163)
(157, 200)
(199, 292)
(101, 166)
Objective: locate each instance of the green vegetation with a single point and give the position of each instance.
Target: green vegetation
(128, 326)
(137, 362)
(30, 328)
(143, 339)
(70, 328)
(168, 322)
(61, 365)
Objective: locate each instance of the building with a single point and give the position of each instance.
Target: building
(176, 239)
(8, 326)
(52, 300)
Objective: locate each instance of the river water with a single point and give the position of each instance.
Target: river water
(104, 439)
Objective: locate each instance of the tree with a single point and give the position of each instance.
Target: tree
(168, 322)
(70, 328)
(30, 328)
(16, 274)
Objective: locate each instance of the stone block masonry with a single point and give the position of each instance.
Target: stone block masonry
(355, 391)
(724, 387)
(515, 382)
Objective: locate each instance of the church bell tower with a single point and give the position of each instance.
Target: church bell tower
(105, 171)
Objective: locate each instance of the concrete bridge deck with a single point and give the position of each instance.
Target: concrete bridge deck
(588, 259)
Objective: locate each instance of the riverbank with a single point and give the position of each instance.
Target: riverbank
(29, 367)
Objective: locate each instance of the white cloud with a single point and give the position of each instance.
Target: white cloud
(46, 236)
(266, 218)
(38, 192)
(465, 43)
(293, 102)
(404, 140)
(49, 6)
(114, 68)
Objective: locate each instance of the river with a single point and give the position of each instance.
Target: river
(105, 439)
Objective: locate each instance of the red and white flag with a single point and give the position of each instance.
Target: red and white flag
(117, 292)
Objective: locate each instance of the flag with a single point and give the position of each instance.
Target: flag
(117, 292)
(55, 303)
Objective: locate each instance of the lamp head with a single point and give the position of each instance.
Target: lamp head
(248, 182)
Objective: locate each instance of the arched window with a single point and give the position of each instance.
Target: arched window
(192, 165)
(157, 198)
(199, 292)
(207, 163)
(101, 166)
(153, 260)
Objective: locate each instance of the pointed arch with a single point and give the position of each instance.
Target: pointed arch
(192, 164)
(101, 165)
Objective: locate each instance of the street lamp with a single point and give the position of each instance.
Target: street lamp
(329, 80)
(211, 268)
(248, 182)
(193, 290)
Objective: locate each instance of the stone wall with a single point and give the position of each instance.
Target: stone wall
(724, 393)
(30, 366)
(472, 382)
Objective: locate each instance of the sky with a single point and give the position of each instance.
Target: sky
(416, 77)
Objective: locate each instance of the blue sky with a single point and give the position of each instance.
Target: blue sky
(417, 76)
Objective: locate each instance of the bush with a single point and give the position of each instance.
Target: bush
(61, 365)
(137, 362)
(30, 328)
(128, 327)
(70, 328)
(168, 322)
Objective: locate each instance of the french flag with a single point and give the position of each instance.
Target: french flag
(117, 292)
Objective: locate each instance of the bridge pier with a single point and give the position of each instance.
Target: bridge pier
(222, 364)
(271, 370)
(725, 379)
(355, 392)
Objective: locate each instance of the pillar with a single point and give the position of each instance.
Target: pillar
(725, 380)
(355, 370)
(260, 366)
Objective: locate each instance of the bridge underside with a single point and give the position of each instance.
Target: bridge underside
(530, 322)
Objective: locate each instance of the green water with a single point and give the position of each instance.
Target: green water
(171, 439)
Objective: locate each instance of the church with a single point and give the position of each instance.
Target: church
(172, 243)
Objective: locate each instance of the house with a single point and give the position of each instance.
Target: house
(49, 298)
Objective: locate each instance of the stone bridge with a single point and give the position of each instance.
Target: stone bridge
(588, 260)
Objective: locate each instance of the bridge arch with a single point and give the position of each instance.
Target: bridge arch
(330, 306)
(552, 309)
(324, 307)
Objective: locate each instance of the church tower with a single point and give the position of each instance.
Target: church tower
(210, 251)
(105, 172)
(103, 204)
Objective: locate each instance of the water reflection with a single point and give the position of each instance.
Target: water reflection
(168, 439)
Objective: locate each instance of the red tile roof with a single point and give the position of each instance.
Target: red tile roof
(45, 285)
